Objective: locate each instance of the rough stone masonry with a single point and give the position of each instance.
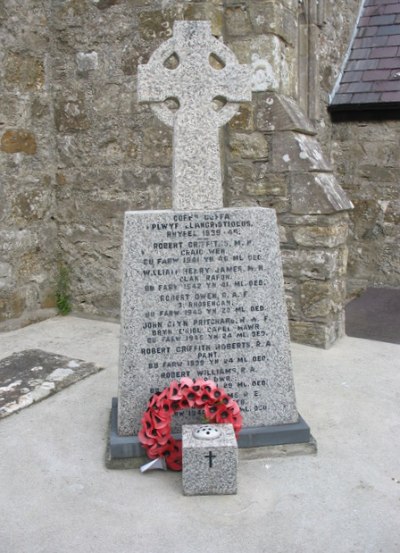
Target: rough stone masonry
(77, 151)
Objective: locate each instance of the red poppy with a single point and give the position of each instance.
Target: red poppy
(210, 411)
(189, 395)
(217, 394)
(144, 439)
(154, 451)
(209, 385)
(236, 421)
(174, 391)
(147, 423)
(203, 397)
(160, 422)
(222, 415)
(165, 408)
(185, 382)
(174, 461)
(183, 404)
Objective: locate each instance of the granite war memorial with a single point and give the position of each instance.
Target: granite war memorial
(202, 284)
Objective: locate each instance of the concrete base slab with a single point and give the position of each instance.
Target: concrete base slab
(57, 495)
(254, 442)
(248, 454)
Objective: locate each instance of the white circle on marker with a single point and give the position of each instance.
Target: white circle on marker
(207, 432)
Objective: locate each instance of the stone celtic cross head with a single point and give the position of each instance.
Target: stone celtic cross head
(203, 80)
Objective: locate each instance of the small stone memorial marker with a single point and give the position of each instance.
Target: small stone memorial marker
(202, 286)
(209, 459)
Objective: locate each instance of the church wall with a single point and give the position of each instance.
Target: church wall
(103, 143)
(275, 157)
(28, 231)
(106, 154)
(367, 158)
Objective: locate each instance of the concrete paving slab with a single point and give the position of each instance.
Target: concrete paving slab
(32, 375)
(57, 495)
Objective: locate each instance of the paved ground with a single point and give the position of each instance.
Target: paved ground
(58, 497)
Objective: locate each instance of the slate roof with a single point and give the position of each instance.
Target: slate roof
(371, 75)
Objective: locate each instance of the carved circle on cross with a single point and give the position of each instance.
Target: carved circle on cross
(176, 60)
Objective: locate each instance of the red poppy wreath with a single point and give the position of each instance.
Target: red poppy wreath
(155, 433)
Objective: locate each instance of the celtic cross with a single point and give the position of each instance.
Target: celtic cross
(205, 76)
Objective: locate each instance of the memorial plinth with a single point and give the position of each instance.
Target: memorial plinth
(203, 296)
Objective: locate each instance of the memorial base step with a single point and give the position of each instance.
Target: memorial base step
(126, 452)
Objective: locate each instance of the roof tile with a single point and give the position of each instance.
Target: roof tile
(381, 19)
(374, 10)
(379, 3)
(360, 54)
(392, 8)
(342, 99)
(386, 52)
(393, 40)
(366, 98)
(376, 75)
(370, 41)
(361, 65)
(351, 76)
(390, 97)
(387, 86)
(366, 31)
(343, 88)
(389, 63)
(388, 30)
(359, 87)
(363, 22)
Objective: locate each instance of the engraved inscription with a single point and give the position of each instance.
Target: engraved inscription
(201, 313)
(207, 291)
(207, 306)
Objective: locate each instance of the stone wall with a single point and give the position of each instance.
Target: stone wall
(111, 155)
(28, 230)
(275, 159)
(367, 158)
(366, 161)
(98, 153)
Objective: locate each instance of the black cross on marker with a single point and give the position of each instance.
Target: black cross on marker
(210, 458)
